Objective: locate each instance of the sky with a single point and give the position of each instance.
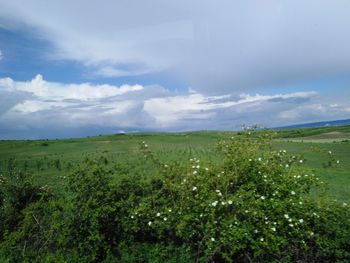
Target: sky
(79, 68)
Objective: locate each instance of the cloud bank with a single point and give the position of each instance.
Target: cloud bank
(215, 47)
(38, 108)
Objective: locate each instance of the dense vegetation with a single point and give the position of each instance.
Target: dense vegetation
(247, 200)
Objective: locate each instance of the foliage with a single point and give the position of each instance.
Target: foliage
(254, 205)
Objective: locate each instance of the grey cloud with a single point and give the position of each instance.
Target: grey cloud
(213, 46)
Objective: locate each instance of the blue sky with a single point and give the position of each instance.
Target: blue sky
(77, 68)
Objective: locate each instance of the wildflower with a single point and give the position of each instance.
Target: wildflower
(300, 203)
(311, 233)
(291, 225)
(273, 229)
(206, 168)
(212, 239)
(301, 161)
(292, 192)
(132, 217)
(330, 152)
(287, 165)
(301, 220)
(338, 161)
(229, 202)
(197, 166)
(259, 159)
(194, 188)
(165, 219)
(194, 172)
(286, 216)
(150, 223)
(158, 214)
(246, 211)
(262, 239)
(146, 145)
(214, 203)
(262, 197)
(165, 165)
(169, 210)
(223, 203)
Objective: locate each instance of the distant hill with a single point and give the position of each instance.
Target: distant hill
(319, 124)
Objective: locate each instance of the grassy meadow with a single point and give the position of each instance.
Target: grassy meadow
(49, 159)
(205, 196)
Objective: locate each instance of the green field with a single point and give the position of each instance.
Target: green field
(48, 160)
(205, 196)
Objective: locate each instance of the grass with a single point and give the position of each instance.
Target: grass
(51, 159)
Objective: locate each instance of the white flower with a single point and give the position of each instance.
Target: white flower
(286, 216)
(206, 168)
(194, 188)
(223, 203)
(273, 229)
(165, 219)
(132, 217)
(197, 166)
(259, 159)
(212, 239)
(293, 193)
(229, 202)
(246, 211)
(193, 166)
(330, 152)
(149, 223)
(287, 165)
(165, 165)
(338, 161)
(214, 203)
(291, 225)
(301, 161)
(301, 220)
(146, 145)
(194, 172)
(158, 214)
(169, 210)
(262, 197)
(250, 160)
(262, 239)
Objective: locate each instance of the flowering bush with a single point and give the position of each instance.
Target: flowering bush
(254, 206)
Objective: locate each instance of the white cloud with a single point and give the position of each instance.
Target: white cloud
(50, 90)
(214, 46)
(57, 109)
